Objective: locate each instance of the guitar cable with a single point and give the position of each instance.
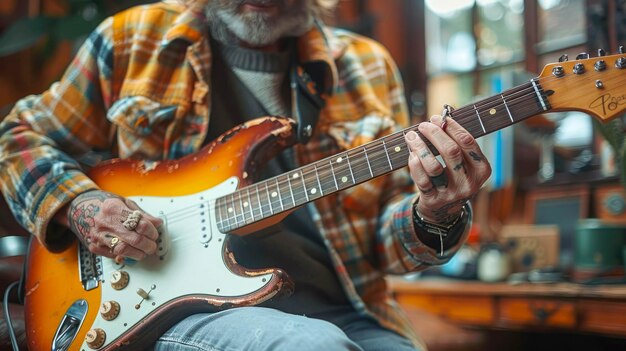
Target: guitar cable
(20, 296)
(7, 315)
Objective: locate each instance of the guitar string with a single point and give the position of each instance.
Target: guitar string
(378, 150)
(514, 98)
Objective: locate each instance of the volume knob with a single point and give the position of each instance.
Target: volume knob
(110, 310)
(119, 280)
(95, 338)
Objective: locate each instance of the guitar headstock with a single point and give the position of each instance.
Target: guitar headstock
(596, 86)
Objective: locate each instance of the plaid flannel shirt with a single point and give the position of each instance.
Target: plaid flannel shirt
(139, 88)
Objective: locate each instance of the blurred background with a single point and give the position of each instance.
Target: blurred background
(543, 268)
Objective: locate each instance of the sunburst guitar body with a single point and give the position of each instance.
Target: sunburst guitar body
(73, 292)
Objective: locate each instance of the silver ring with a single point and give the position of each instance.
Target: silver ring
(132, 220)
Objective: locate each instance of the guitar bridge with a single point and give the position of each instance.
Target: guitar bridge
(89, 268)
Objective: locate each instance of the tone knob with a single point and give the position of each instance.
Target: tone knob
(119, 280)
(109, 310)
(95, 338)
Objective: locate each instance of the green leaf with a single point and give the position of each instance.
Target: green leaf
(23, 34)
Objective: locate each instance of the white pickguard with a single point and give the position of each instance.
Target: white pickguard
(193, 263)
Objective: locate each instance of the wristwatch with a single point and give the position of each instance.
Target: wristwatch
(442, 230)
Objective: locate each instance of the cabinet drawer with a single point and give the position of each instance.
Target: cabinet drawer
(603, 317)
(476, 310)
(537, 312)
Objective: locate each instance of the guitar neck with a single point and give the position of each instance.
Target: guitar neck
(290, 190)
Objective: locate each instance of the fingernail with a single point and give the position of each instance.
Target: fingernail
(411, 135)
(436, 119)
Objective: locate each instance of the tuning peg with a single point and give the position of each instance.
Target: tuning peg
(582, 56)
(621, 49)
(601, 52)
(600, 65)
(563, 58)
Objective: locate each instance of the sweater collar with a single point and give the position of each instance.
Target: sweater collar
(317, 47)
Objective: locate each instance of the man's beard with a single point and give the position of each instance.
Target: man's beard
(228, 25)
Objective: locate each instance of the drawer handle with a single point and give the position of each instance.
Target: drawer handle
(542, 313)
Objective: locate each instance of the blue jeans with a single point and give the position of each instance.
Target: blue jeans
(266, 329)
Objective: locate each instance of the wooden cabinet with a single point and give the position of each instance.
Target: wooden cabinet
(563, 306)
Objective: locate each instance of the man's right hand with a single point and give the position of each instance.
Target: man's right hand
(97, 219)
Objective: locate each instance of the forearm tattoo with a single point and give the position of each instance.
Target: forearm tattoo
(81, 218)
(476, 157)
(83, 211)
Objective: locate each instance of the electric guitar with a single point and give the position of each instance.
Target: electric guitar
(78, 301)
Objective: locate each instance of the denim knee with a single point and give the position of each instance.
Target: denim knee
(254, 329)
(313, 335)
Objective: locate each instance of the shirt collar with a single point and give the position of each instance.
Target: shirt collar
(189, 26)
(319, 45)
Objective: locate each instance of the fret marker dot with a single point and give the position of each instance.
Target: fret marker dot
(492, 111)
(230, 210)
(274, 194)
(245, 204)
(295, 175)
(339, 160)
(313, 191)
(397, 149)
(344, 179)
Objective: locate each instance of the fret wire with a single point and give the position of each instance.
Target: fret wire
(387, 154)
(269, 199)
(230, 224)
(350, 167)
(480, 119)
(368, 161)
(243, 212)
(258, 199)
(304, 187)
(293, 199)
(332, 170)
(228, 214)
(319, 184)
(507, 108)
(280, 196)
(250, 203)
(218, 208)
(377, 158)
(232, 196)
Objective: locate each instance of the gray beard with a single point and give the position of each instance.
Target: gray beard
(229, 27)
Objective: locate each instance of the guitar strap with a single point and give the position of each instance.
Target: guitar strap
(306, 97)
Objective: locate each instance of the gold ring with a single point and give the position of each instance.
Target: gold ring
(114, 241)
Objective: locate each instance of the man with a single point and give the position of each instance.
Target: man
(159, 81)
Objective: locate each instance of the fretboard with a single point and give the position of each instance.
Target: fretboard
(290, 190)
